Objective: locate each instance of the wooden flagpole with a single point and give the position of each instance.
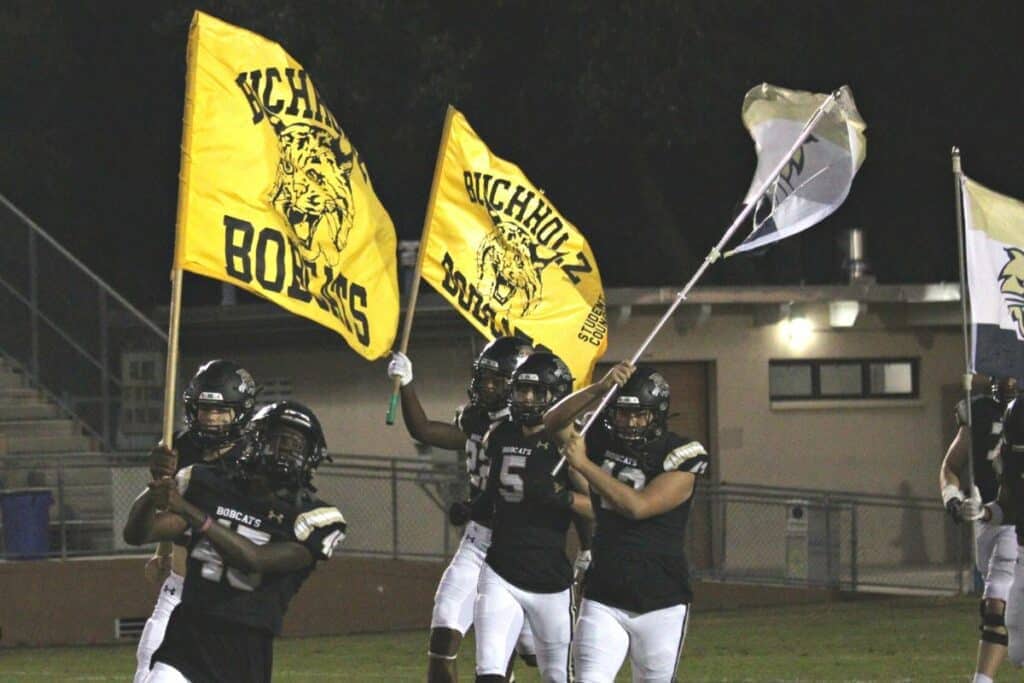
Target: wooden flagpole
(418, 272)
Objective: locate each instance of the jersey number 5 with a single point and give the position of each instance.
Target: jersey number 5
(511, 482)
(213, 563)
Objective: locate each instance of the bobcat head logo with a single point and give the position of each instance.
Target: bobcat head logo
(313, 191)
(510, 263)
(1011, 284)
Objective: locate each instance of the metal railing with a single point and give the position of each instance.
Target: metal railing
(396, 507)
(65, 328)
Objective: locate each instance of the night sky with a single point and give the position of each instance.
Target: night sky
(628, 115)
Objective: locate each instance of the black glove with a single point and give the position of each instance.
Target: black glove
(953, 507)
(547, 491)
(459, 513)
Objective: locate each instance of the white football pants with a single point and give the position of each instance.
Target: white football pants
(654, 641)
(456, 593)
(501, 611)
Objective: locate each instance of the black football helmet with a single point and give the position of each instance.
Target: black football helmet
(638, 413)
(1004, 389)
(286, 444)
(492, 371)
(222, 384)
(538, 382)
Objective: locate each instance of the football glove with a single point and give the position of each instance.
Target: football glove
(972, 509)
(400, 368)
(459, 513)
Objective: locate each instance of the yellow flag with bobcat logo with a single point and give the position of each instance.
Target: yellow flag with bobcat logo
(501, 253)
(273, 197)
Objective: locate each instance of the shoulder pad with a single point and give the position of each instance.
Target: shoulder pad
(309, 521)
(182, 478)
(679, 455)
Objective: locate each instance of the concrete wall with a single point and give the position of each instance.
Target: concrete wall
(55, 602)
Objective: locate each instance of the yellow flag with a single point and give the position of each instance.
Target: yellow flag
(501, 253)
(273, 197)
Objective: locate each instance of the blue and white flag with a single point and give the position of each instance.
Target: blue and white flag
(994, 242)
(817, 178)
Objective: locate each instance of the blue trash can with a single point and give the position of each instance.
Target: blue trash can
(26, 517)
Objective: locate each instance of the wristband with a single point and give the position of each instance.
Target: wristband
(950, 492)
(205, 526)
(996, 512)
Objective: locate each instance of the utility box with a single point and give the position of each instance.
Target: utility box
(812, 543)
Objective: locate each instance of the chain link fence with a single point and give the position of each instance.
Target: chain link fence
(845, 540)
(397, 507)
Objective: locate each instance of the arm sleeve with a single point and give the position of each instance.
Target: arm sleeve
(321, 529)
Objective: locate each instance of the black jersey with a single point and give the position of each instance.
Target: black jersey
(1011, 479)
(640, 565)
(475, 422)
(530, 518)
(986, 429)
(255, 600)
(190, 452)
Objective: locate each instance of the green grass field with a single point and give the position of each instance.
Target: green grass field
(885, 639)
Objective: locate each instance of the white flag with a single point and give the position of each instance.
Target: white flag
(994, 241)
(817, 178)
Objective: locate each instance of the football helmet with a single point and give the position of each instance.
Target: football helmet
(638, 413)
(1004, 389)
(538, 382)
(286, 444)
(492, 371)
(221, 384)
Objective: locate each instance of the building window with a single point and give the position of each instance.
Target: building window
(843, 378)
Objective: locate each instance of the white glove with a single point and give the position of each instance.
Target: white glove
(400, 367)
(581, 564)
(972, 509)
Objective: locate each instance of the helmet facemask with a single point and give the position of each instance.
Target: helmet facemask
(632, 424)
(1004, 390)
(528, 401)
(489, 388)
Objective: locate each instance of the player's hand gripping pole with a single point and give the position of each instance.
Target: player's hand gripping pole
(713, 255)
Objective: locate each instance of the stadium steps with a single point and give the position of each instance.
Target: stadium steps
(40, 436)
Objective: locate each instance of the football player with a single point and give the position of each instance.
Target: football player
(488, 404)
(219, 401)
(255, 532)
(636, 594)
(995, 545)
(526, 576)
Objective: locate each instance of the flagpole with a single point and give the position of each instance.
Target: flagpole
(171, 373)
(714, 254)
(958, 176)
(177, 274)
(418, 272)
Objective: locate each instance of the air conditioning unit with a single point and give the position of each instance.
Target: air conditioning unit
(812, 543)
